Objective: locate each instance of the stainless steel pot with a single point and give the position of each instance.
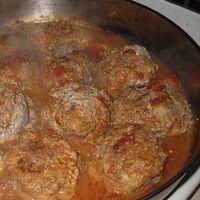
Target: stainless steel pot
(160, 36)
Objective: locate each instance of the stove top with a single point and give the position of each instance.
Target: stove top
(193, 5)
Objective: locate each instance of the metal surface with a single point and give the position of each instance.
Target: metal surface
(162, 38)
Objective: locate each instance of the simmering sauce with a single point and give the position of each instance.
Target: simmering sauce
(31, 55)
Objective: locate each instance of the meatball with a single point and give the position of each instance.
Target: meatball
(72, 67)
(126, 66)
(129, 159)
(1, 162)
(77, 109)
(61, 37)
(6, 47)
(13, 111)
(6, 74)
(43, 164)
(159, 107)
(28, 75)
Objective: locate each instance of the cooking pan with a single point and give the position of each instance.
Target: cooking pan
(143, 26)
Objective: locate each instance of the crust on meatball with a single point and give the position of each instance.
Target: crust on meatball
(73, 67)
(13, 109)
(129, 158)
(7, 49)
(159, 107)
(77, 109)
(61, 37)
(43, 165)
(126, 66)
(1, 162)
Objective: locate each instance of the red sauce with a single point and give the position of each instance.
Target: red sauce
(60, 72)
(177, 147)
(157, 101)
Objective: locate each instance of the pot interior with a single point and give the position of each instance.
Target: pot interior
(133, 22)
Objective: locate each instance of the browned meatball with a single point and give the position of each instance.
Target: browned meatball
(126, 66)
(129, 158)
(77, 109)
(13, 111)
(1, 161)
(44, 165)
(161, 108)
(29, 75)
(6, 74)
(72, 67)
(61, 37)
(6, 45)
(6, 51)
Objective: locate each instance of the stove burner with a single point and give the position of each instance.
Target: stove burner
(193, 5)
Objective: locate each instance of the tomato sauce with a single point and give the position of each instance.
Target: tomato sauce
(37, 82)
